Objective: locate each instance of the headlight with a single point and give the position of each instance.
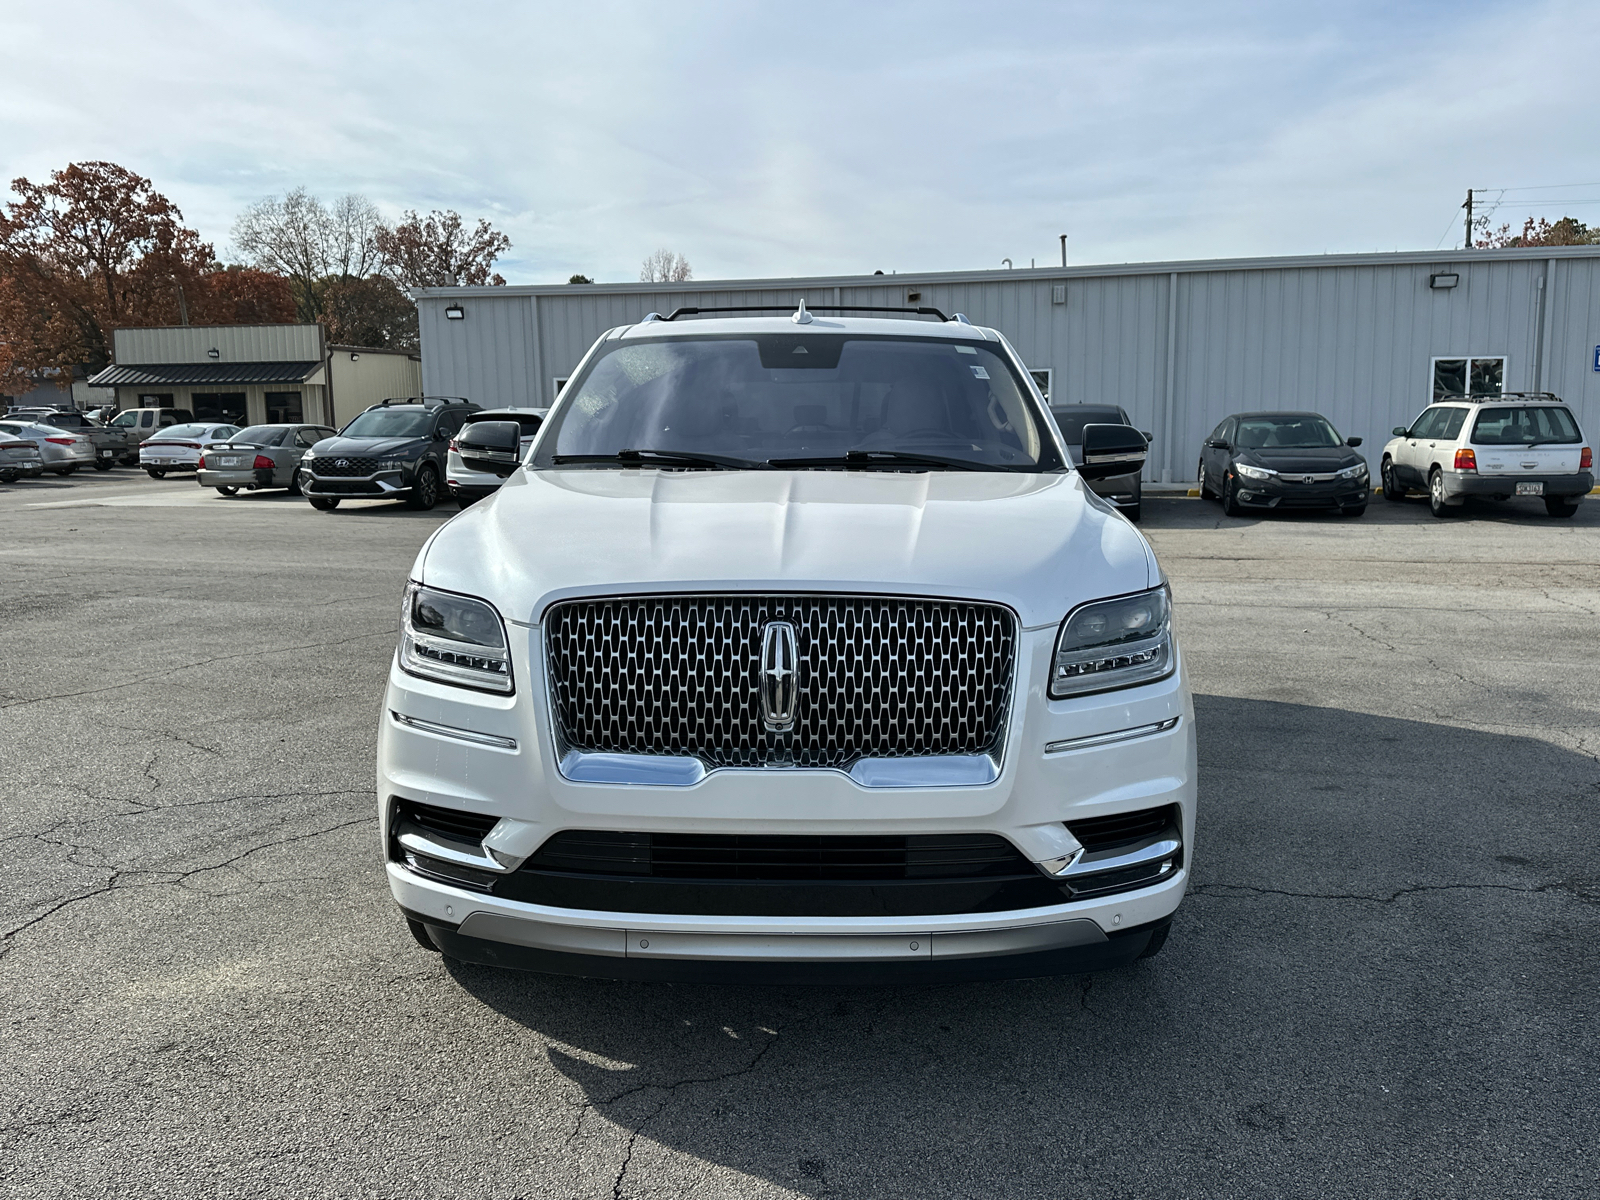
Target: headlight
(454, 639)
(1250, 472)
(1113, 644)
(1355, 472)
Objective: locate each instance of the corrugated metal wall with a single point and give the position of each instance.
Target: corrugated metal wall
(1350, 336)
(233, 343)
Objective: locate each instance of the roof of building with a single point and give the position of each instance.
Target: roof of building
(203, 373)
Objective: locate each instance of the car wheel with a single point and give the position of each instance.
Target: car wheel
(420, 932)
(1559, 506)
(1230, 503)
(8, 476)
(1205, 488)
(64, 471)
(1436, 504)
(155, 474)
(227, 490)
(324, 503)
(1391, 486)
(425, 492)
(102, 464)
(294, 483)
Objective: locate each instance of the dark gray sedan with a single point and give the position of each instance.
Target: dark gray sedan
(261, 456)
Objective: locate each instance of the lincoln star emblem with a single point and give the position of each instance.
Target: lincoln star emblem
(341, 462)
(780, 681)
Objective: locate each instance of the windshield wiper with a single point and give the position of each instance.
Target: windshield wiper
(888, 458)
(665, 458)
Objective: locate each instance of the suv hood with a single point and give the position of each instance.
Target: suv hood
(1039, 543)
(366, 446)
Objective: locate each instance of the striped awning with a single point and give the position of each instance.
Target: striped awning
(196, 374)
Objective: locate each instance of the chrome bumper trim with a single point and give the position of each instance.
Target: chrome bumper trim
(659, 770)
(452, 731)
(417, 842)
(1107, 739)
(779, 946)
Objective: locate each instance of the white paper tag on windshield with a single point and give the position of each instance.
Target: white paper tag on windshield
(966, 349)
(979, 372)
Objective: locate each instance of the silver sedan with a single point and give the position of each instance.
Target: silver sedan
(62, 450)
(261, 456)
(18, 457)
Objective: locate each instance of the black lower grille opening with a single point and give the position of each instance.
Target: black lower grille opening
(1119, 829)
(781, 875)
(446, 822)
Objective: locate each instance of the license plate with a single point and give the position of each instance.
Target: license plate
(228, 462)
(105, 454)
(1530, 489)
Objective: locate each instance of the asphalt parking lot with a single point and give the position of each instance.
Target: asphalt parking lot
(1382, 984)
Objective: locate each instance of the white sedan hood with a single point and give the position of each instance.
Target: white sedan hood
(1037, 543)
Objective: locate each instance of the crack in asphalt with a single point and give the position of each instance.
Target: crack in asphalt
(1226, 891)
(391, 631)
(114, 882)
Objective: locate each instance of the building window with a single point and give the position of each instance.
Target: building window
(1485, 376)
(560, 381)
(1041, 376)
(284, 408)
(155, 399)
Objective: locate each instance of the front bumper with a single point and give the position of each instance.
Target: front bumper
(1278, 492)
(443, 756)
(1470, 483)
(382, 486)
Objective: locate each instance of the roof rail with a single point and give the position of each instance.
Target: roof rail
(1490, 397)
(425, 401)
(923, 311)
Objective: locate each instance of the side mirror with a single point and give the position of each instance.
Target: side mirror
(1216, 444)
(1111, 450)
(441, 435)
(1147, 436)
(1352, 441)
(494, 446)
(1399, 431)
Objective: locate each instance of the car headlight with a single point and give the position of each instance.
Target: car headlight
(1250, 472)
(453, 639)
(1113, 644)
(1355, 472)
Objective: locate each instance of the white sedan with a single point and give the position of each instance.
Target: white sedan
(178, 447)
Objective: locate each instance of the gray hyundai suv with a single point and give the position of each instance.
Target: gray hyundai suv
(393, 451)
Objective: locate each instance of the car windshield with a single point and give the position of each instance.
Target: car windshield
(1073, 419)
(390, 423)
(1288, 432)
(179, 431)
(1524, 426)
(812, 397)
(17, 429)
(528, 422)
(261, 435)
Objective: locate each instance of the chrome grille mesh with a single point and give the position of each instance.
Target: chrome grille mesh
(880, 677)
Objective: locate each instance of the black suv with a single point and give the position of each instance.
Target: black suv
(394, 450)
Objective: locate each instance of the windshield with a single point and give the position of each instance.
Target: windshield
(261, 435)
(179, 431)
(390, 423)
(1072, 420)
(815, 397)
(1523, 426)
(1289, 432)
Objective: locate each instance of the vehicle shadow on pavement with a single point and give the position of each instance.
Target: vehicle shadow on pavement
(1381, 977)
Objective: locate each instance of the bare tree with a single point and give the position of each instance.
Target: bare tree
(665, 267)
(313, 245)
(440, 251)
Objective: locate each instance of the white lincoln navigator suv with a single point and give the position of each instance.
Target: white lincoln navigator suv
(795, 649)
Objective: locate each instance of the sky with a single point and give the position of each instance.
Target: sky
(816, 138)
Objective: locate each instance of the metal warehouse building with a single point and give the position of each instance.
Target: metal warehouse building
(1365, 339)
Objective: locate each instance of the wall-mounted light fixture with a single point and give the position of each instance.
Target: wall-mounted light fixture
(354, 357)
(213, 353)
(455, 313)
(1444, 279)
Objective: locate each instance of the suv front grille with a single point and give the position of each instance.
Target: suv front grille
(343, 464)
(780, 875)
(879, 677)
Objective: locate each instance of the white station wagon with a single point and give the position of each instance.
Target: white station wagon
(796, 649)
(1492, 447)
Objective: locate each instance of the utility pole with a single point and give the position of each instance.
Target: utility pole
(1063, 249)
(1467, 245)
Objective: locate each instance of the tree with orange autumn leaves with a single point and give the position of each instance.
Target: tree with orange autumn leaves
(97, 249)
